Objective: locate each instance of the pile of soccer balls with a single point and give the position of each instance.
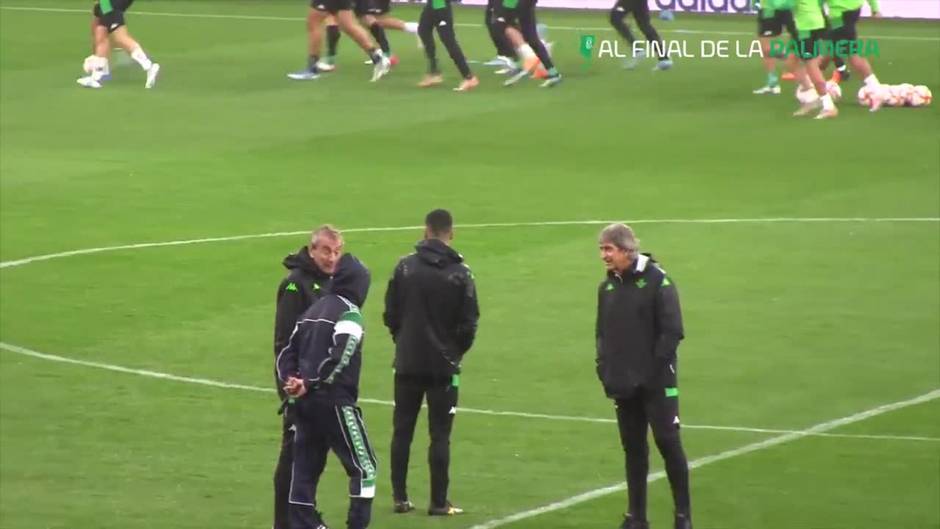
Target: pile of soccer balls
(901, 95)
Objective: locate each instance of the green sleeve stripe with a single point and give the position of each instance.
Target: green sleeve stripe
(672, 392)
(353, 316)
(511, 4)
(106, 6)
(438, 4)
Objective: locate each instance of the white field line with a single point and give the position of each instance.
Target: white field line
(299, 19)
(85, 251)
(228, 385)
(707, 460)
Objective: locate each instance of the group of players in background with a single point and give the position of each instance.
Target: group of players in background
(521, 51)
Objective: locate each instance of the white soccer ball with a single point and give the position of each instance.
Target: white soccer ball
(924, 93)
(806, 97)
(891, 96)
(89, 64)
(835, 91)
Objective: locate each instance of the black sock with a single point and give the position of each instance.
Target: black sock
(312, 62)
(332, 39)
(379, 33)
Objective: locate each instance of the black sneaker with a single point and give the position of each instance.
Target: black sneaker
(629, 522)
(402, 507)
(447, 510)
(683, 521)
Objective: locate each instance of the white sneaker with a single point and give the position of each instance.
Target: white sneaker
(517, 75)
(324, 66)
(774, 90)
(381, 68)
(88, 82)
(152, 75)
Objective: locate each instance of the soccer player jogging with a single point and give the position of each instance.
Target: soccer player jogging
(320, 369)
(813, 37)
(438, 14)
(431, 311)
(772, 17)
(639, 327)
(374, 14)
(641, 13)
(108, 24)
(311, 269)
(844, 15)
(505, 53)
(341, 10)
(523, 11)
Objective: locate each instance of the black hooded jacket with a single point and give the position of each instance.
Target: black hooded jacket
(639, 327)
(431, 310)
(325, 349)
(304, 285)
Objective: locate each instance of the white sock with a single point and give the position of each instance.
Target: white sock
(525, 51)
(827, 102)
(871, 81)
(141, 58)
(100, 69)
(411, 27)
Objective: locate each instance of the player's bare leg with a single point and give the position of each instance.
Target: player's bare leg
(123, 38)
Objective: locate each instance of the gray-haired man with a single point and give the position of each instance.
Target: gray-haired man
(639, 326)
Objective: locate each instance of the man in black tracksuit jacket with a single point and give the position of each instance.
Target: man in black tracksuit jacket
(431, 310)
(320, 369)
(308, 279)
(639, 327)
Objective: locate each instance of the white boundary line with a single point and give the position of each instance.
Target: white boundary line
(228, 385)
(298, 19)
(707, 460)
(71, 253)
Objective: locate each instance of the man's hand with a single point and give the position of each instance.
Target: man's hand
(295, 387)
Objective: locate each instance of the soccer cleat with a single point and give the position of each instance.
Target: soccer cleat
(629, 522)
(326, 65)
(403, 507)
(381, 68)
(633, 62)
(304, 75)
(551, 81)
(467, 84)
(826, 114)
(447, 510)
(663, 64)
(88, 82)
(515, 76)
(775, 90)
(807, 108)
(152, 74)
(499, 60)
(787, 76)
(683, 522)
(431, 80)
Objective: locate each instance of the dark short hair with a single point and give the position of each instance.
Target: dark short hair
(439, 222)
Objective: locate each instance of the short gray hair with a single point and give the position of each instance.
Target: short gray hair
(325, 230)
(621, 236)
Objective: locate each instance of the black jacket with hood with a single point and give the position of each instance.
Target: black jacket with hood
(325, 348)
(639, 327)
(431, 309)
(304, 284)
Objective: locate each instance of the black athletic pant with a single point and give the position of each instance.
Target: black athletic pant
(502, 45)
(641, 13)
(321, 427)
(524, 13)
(660, 410)
(438, 14)
(442, 395)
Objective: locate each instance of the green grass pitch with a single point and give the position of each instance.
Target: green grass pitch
(789, 324)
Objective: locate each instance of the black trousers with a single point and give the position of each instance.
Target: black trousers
(502, 46)
(641, 13)
(442, 396)
(523, 15)
(657, 408)
(438, 14)
(322, 427)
